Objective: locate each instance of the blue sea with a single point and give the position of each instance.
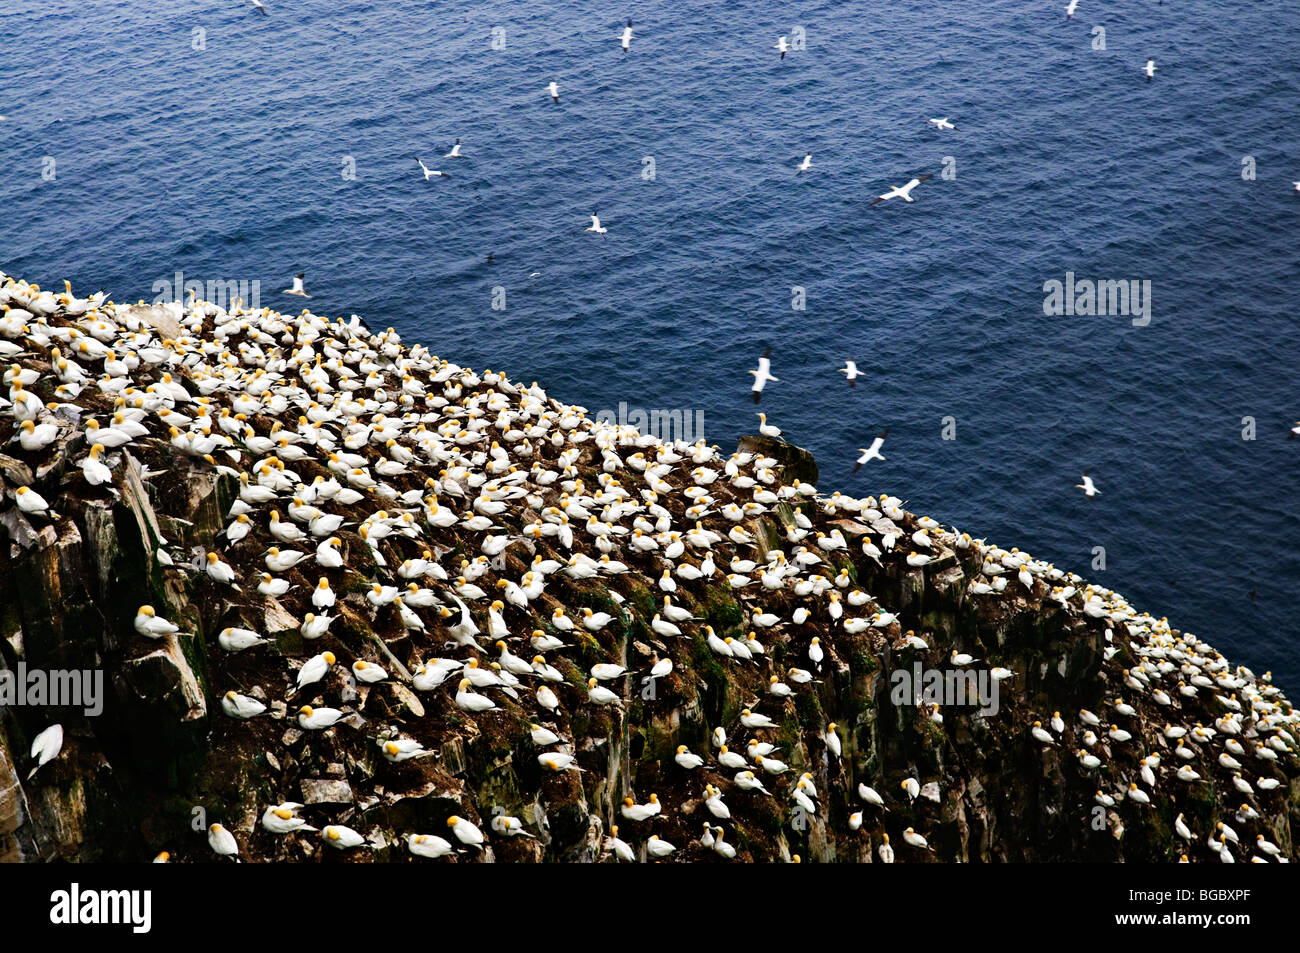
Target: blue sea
(205, 138)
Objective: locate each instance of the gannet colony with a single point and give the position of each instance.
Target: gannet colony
(349, 601)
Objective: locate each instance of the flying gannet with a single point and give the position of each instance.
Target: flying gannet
(554, 90)
(850, 370)
(1069, 10)
(763, 374)
(872, 452)
(805, 165)
(1087, 486)
(903, 192)
(455, 152)
(627, 36)
(595, 226)
(783, 45)
(297, 288)
(1150, 70)
(942, 123)
(431, 173)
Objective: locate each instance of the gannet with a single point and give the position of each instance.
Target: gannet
(46, 747)
(428, 845)
(431, 173)
(148, 624)
(466, 831)
(658, 848)
(1088, 487)
(805, 165)
(222, 841)
(766, 429)
(283, 819)
(626, 36)
(297, 288)
(554, 89)
(851, 372)
(903, 192)
(1150, 70)
(455, 152)
(1070, 8)
(872, 452)
(782, 44)
(763, 374)
(942, 123)
(259, 6)
(596, 227)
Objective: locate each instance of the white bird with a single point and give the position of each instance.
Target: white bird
(428, 845)
(626, 36)
(903, 192)
(222, 841)
(872, 452)
(46, 747)
(1069, 10)
(942, 123)
(782, 44)
(766, 429)
(466, 832)
(241, 706)
(431, 173)
(455, 152)
(850, 372)
(148, 624)
(260, 7)
(596, 227)
(341, 837)
(554, 90)
(1150, 70)
(763, 374)
(1088, 487)
(297, 288)
(805, 165)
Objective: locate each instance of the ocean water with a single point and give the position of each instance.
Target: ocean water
(227, 163)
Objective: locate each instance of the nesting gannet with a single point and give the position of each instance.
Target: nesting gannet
(466, 831)
(626, 36)
(763, 374)
(766, 429)
(1150, 70)
(222, 841)
(872, 452)
(428, 845)
(941, 123)
(1088, 487)
(596, 227)
(903, 192)
(554, 89)
(850, 372)
(297, 288)
(805, 165)
(431, 173)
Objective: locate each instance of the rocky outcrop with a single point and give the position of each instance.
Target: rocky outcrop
(161, 760)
